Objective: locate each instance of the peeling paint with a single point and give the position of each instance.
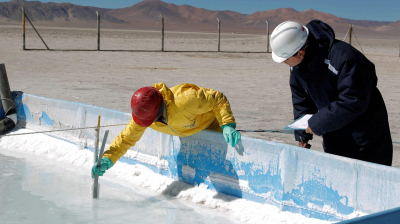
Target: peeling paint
(45, 120)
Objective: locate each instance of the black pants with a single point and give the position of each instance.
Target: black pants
(380, 152)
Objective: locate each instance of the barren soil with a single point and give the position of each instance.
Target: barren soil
(257, 88)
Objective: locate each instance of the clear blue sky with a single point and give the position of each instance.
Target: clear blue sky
(380, 10)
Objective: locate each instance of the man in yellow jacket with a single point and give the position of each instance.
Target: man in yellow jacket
(182, 110)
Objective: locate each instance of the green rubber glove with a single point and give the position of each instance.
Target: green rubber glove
(106, 164)
(230, 134)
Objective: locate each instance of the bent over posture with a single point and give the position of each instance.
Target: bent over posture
(338, 84)
(182, 111)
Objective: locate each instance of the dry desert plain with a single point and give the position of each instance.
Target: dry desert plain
(257, 88)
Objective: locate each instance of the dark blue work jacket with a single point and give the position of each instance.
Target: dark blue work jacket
(340, 89)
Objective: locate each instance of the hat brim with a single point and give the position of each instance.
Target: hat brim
(144, 123)
(278, 59)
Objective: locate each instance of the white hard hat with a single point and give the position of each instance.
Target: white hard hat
(287, 39)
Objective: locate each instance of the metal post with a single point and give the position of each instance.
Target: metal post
(98, 30)
(5, 92)
(96, 141)
(219, 35)
(267, 36)
(162, 32)
(96, 185)
(350, 32)
(23, 28)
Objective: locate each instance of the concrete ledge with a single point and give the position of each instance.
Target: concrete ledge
(298, 180)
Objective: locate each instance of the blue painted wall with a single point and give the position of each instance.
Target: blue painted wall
(295, 179)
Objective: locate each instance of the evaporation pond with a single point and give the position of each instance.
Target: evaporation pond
(38, 190)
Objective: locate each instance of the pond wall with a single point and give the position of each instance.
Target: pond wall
(295, 179)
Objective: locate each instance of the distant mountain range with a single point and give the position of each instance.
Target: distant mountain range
(147, 15)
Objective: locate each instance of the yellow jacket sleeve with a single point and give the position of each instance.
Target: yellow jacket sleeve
(221, 107)
(210, 100)
(124, 141)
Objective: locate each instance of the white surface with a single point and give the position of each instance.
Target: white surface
(122, 193)
(301, 123)
(42, 191)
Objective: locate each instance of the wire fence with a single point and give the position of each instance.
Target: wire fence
(66, 39)
(60, 130)
(147, 41)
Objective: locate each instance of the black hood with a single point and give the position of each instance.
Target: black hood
(320, 39)
(322, 32)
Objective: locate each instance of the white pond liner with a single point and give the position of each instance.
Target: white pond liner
(64, 155)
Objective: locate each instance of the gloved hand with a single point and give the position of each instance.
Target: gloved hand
(230, 134)
(106, 164)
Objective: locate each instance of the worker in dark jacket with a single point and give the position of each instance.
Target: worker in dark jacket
(338, 85)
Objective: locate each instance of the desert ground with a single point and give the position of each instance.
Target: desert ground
(257, 88)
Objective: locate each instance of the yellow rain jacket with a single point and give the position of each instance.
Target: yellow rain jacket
(190, 109)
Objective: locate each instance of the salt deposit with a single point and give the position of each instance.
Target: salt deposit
(133, 176)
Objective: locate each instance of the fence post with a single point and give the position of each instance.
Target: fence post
(162, 32)
(98, 30)
(219, 35)
(267, 36)
(23, 28)
(350, 32)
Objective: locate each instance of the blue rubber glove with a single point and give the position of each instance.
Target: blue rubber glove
(106, 164)
(230, 134)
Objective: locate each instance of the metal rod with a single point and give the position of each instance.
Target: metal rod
(284, 131)
(98, 30)
(70, 129)
(219, 35)
(23, 28)
(267, 36)
(162, 32)
(96, 143)
(96, 185)
(350, 32)
(37, 32)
